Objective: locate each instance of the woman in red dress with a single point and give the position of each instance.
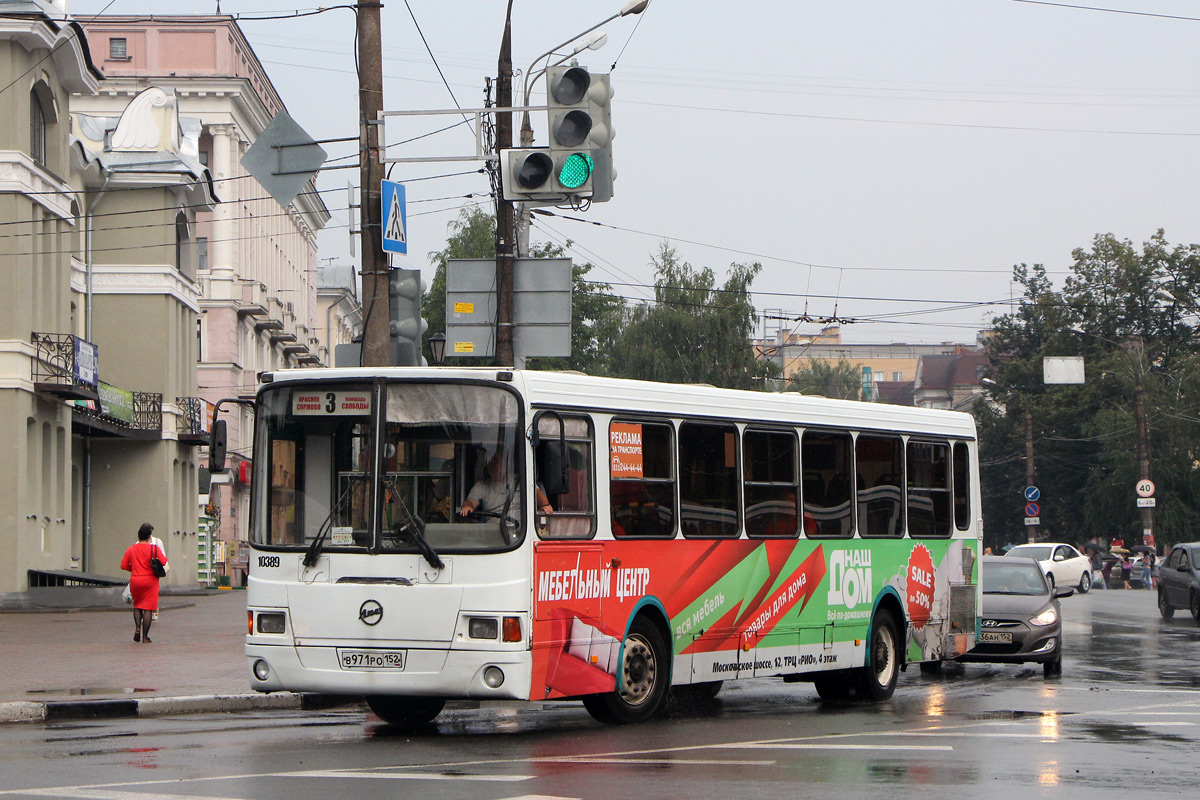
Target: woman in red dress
(143, 583)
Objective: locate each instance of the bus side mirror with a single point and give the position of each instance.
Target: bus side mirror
(216, 447)
(553, 469)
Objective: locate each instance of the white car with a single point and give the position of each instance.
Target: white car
(1062, 563)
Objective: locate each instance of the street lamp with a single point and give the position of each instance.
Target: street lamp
(437, 348)
(591, 43)
(1136, 368)
(1030, 472)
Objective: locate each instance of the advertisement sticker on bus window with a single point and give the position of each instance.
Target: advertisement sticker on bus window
(625, 446)
(341, 536)
(331, 403)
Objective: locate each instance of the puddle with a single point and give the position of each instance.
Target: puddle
(86, 692)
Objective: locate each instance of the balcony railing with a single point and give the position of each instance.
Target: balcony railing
(190, 423)
(64, 365)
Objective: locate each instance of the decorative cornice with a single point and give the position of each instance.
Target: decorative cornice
(19, 174)
(162, 280)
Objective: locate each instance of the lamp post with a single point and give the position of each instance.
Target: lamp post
(1030, 470)
(506, 245)
(437, 348)
(1137, 367)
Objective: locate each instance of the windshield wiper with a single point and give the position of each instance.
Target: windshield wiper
(414, 526)
(314, 550)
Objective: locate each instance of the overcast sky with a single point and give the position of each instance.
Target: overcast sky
(890, 160)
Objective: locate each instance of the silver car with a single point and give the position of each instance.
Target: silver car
(1021, 616)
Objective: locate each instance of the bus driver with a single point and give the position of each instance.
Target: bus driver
(493, 493)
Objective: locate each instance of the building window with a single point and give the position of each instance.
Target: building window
(118, 49)
(37, 128)
(201, 252)
(181, 242)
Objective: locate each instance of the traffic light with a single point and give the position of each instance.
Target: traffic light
(406, 326)
(570, 123)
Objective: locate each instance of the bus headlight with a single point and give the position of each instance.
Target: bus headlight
(271, 622)
(483, 628)
(493, 677)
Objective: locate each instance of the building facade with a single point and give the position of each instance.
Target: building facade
(98, 302)
(256, 260)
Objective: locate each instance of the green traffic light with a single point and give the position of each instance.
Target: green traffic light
(575, 170)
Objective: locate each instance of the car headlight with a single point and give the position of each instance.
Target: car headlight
(1047, 617)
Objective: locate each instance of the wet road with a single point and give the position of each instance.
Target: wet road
(1123, 720)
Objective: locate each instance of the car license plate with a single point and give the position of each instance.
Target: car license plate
(995, 637)
(371, 659)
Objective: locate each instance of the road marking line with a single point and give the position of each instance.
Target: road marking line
(102, 794)
(419, 776)
(720, 762)
(875, 747)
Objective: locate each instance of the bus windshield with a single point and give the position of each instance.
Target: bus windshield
(443, 472)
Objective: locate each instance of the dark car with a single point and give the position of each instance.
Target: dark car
(1179, 581)
(1021, 617)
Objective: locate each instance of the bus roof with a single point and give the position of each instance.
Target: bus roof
(625, 396)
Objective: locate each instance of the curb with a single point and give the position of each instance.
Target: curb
(57, 711)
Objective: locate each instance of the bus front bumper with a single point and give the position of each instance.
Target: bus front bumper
(428, 673)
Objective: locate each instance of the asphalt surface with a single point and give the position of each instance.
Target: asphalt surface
(82, 662)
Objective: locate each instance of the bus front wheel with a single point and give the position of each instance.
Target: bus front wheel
(405, 712)
(642, 683)
(878, 679)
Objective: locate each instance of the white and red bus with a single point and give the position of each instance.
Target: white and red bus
(644, 538)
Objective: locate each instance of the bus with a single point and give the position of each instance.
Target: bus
(642, 539)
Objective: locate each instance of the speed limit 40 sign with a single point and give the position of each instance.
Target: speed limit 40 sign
(1144, 488)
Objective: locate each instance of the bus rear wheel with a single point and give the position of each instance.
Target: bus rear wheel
(642, 683)
(405, 712)
(877, 680)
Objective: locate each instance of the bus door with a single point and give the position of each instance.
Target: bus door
(573, 650)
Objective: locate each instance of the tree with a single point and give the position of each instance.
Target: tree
(843, 380)
(694, 332)
(1138, 344)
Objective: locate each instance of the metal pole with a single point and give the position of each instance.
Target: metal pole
(375, 350)
(1030, 472)
(1143, 451)
(505, 223)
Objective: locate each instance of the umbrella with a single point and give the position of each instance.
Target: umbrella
(1142, 548)
(1093, 546)
(1119, 551)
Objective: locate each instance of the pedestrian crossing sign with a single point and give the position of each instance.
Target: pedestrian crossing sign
(395, 232)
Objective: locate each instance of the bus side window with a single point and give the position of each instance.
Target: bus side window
(828, 460)
(642, 481)
(929, 512)
(708, 486)
(771, 488)
(962, 487)
(879, 461)
(574, 511)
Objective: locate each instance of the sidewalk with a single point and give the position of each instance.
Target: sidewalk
(82, 663)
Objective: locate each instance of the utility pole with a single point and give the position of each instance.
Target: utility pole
(1143, 451)
(505, 223)
(375, 349)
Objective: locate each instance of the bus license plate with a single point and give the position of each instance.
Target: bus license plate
(371, 659)
(995, 637)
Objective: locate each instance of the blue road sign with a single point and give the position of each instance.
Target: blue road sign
(395, 228)
(1032, 493)
(1032, 510)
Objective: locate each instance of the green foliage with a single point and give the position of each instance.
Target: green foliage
(1134, 340)
(695, 331)
(843, 381)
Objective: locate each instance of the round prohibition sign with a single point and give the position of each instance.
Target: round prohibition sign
(1032, 510)
(1144, 488)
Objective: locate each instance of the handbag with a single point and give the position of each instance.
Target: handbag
(156, 566)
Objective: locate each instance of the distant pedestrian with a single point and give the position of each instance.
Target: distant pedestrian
(143, 583)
